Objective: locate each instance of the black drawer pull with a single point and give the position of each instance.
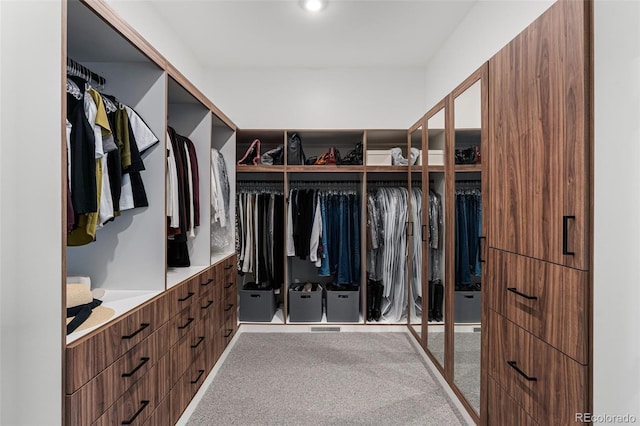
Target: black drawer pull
(182, 327)
(226, 268)
(132, 372)
(565, 235)
(513, 365)
(480, 251)
(229, 285)
(229, 331)
(137, 413)
(200, 373)
(228, 308)
(132, 335)
(207, 305)
(187, 297)
(209, 281)
(515, 290)
(424, 238)
(200, 340)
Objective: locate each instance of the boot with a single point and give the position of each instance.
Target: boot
(252, 155)
(369, 300)
(430, 301)
(438, 298)
(377, 300)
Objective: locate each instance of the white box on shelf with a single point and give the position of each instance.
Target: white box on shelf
(436, 157)
(378, 157)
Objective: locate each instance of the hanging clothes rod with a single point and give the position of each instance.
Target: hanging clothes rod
(74, 68)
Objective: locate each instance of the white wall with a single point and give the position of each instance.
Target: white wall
(30, 217)
(349, 98)
(617, 201)
(488, 26)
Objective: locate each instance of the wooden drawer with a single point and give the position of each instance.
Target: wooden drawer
(206, 280)
(229, 267)
(162, 414)
(550, 386)
(182, 393)
(207, 303)
(548, 300)
(230, 292)
(88, 356)
(183, 295)
(185, 352)
(137, 404)
(184, 322)
(503, 410)
(92, 399)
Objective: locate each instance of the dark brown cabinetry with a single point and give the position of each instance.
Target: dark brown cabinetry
(146, 367)
(539, 112)
(538, 310)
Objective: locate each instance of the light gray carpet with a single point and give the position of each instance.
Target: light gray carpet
(325, 379)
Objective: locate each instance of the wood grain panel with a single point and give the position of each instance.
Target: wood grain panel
(187, 386)
(503, 410)
(538, 139)
(162, 414)
(577, 135)
(551, 300)
(186, 350)
(92, 399)
(135, 406)
(560, 386)
(184, 322)
(88, 356)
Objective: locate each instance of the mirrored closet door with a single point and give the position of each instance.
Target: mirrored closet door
(417, 231)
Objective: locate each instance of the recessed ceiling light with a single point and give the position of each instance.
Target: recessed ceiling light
(313, 5)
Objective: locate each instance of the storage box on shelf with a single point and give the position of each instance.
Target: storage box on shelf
(379, 157)
(257, 305)
(343, 305)
(305, 306)
(467, 306)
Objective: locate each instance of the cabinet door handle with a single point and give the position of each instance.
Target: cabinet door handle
(226, 268)
(207, 305)
(187, 297)
(182, 327)
(197, 379)
(565, 235)
(229, 331)
(200, 340)
(136, 414)
(132, 335)
(526, 296)
(143, 360)
(424, 238)
(209, 281)
(481, 246)
(228, 308)
(514, 365)
(229, 285)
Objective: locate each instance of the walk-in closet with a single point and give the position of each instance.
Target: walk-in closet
(202, 261)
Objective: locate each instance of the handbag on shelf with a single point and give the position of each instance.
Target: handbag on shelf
(333, 156)
(273, 157)
(310, 161)
(252, 154)
(467, 155)
(354, 157)
(295, 153)
(178, 253)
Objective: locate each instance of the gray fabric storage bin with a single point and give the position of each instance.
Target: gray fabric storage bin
(343, 306)
(257, 305)
(305, 306)
(467, 306)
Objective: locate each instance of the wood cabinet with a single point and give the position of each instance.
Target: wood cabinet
(539, 156)
(538, 284)
(153, 380)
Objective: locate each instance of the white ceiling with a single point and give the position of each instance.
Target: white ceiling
(278, 33)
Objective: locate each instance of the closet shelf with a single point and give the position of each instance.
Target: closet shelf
(436, 169)
(387, 169)
(468, 167)
(325, 168)
(251, 168)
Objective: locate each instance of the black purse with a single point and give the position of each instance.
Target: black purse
(295, 153)
(273, 157)
(466, 156)
(354, 157)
